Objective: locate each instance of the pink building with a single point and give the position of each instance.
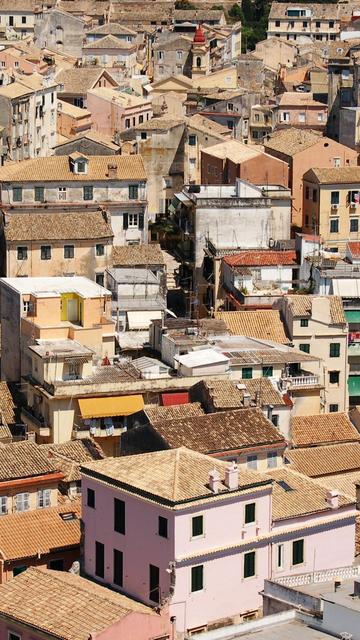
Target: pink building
(113, 111)
(301, 110)
(180, 528)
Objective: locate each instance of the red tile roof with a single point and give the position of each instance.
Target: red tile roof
(261, 258)
(354, 248)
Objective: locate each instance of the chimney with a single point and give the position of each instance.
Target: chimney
(232, 476)
(246, 399)
(332, 498)
(214, 481)
(112, 170)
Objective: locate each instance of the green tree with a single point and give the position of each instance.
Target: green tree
(184, 5)
(248, 11)
(235, 12)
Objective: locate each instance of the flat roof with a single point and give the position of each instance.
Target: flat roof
(55, 286)
(201, 358)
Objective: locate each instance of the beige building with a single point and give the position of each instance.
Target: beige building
(331, 205)
(72, 120)
(276, 52)
(111, 51)
(301, 22)
(81, 183)
(303, 150)
(317, 326)
(28, 112)
(57, 244)
(18, 17)
(171, 55)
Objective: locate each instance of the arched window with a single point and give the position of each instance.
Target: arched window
(198, 62)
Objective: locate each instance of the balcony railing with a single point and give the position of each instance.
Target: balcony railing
(344, 573)
(303, 381)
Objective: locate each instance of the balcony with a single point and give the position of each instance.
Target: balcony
(36, 421)
(304, 381)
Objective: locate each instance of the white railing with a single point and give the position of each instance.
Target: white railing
(344, 573)
(303, 381)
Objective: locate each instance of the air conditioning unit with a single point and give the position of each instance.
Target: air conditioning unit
(334, 207)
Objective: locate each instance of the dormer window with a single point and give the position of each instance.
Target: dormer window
(78, 163)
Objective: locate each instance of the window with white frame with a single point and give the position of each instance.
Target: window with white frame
(302, 116)
(251, 462)
(13, 636)
(133, 220)
(62, 193)
(22, 502)
(3, 505)
(272, 459)
(280, 556)
(43, 498)
(285, 116)
(160, 55)
(179, 55)
(26, 306)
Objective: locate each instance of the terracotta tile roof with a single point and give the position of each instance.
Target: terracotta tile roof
(139, 255)
(173, 412)
(301, 307)
(5, 433)
(7, 406)
(57, 226)
(110, 42)
(161, 123)
(305, 496)
(322, 429)
(319, 10)
(202, 123)
(68, 456)
(354, 248)
(24, 535)
(172, 476)
(261, 258)
(345, 483)
(57, 168)
(336, 175)
(221, 431)
(292, 140)
(295, 99)
(23, 460)
(263, 324)
(80, 79)
(326, 460)
(113, 28)
(264, 390)
(76, 608)
(223, 394)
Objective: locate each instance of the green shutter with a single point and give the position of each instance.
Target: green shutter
(298, 552)
(197, 526)
(249, 564)
(197, 578)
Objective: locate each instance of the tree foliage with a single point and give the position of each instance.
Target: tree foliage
(184, 5)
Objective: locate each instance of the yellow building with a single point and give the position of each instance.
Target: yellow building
(331, 205)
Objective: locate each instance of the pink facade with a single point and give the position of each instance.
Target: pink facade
(112, 116)
(226, 592)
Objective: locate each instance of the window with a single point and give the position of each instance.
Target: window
(334, 377)
(250, 509)
(154, 583)
(331, 24)
(3, 505)
(247, 372)
(337, 162)
(88, 192)
(335, 350)
(302, 116)
(22, 502)
(143, 135)
(43, 498)
(127, 123)
(280, 556)
(334, 225)
(119, 516)
(314, 195)
(163, 527)
(118, 564)
(298, 552)
(179, 55)
(285, 116)
(22, 253)
(305, 24)
(249, 564)
(90, 498)
(99, 559)
(197, 578)
(353, 197)
(251, 462)
(304, 322)
(62, 193)
(17, 194)
(333, 408)
(133, 191)
(305, 347)
(57, 565)
(45, 251)
(267, 372)
(354, 225)
(68, 251)
(141, 119)
(320, 116)
(100, 249)
(16, 572)
(99, 279)
(272, 459)
(23, 19)
(307, 193)
(39, 194)
(192, 140)
(133, 220)
(11, 21)
(197, 526)
(275, 420)
(277, 23)
(317, 24)
(335, 197)
(160, 55)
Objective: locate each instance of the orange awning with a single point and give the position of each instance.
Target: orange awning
(108, 407)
